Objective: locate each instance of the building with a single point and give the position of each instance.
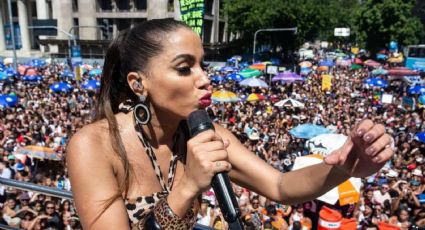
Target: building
(94, 23)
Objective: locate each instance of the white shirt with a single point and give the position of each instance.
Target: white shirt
(379, 198)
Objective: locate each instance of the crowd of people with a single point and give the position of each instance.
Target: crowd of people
(47, 119)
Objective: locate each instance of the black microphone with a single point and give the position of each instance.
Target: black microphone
(199, 121)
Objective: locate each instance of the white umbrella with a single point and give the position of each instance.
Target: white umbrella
(290, 103)
(254, 82)
(324, 144)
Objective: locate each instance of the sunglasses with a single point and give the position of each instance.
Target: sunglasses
(50, 207)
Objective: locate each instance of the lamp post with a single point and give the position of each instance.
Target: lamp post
(269, 30)
(12, 32)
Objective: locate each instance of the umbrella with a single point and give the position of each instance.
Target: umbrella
(37, 63)
(402, 71)
(347, 192)
(30, 71)
(217, 78)
(421, 99)
(328, 63)
(39, 152)
(305, 64)
(224, 96)
(7, 100)
(381, 56)
(255, 97)
(308, 131)
(323, 68)
(379, 71)
(61, 87)
(287, 77)
(376, 82)
(355, 66)
(254, 82)
(358, 61)
(67, 73)
(420, 137)
(398, 59)
(32, 78)
(289, 103)
(227, 69)
(372, 63)
(10, 72)
(95, 72)
(343, 62)
(22, 69)
(91, 85)
(2, 66)
(325, 144)
(234, 77)
(305, 70)
(3, 76)
(418, 89)
(258, 66)
(248, 73)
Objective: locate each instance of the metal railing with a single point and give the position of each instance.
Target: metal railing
(52, 192)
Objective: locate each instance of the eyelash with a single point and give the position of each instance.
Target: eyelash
(186, 70)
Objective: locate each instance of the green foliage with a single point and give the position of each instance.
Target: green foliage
(374, 22)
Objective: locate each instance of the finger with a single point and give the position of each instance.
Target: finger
(339, 156)
(221, 166)
(378, 145)
(383, 156)
(363, 127)
(217, 156)
(213, 146)
(377, 131)
(206, 136)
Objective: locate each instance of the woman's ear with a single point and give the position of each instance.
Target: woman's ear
(136, 82)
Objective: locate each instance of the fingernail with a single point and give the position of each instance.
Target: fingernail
(360, 132)
(367, 138)
(376, 159)
(370, 150)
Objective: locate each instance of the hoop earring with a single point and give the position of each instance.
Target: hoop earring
(141, 111)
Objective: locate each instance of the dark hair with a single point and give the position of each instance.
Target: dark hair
(131, 51)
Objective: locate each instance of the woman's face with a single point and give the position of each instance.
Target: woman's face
(177, 84)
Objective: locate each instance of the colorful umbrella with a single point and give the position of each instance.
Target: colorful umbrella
(254, 82)
(421, 99)
(328, 63)
(372, 63)
(234, 77)
(30, 71)
(308, 131)
(95, 72)
(258, 66)
(343, 62)
(358, 61)
(38, 63)
(347, 193)
(91, 85)
(22, 69)
(420, 137)
(32, 78)
(227, 69)
(402, 71)
(224, 96)
(287, 77)
(255, 97)
(3, 76)
(355, 66)
(323, 68)
(61, 87)
(39, 152)
(305, 64)
(217, 78)
(376, 82)
(398, 59)
(67, 73)
(305, 70)
(289, 103)
(379, 71)
(8, 100)
(418, 89)
(248, 73)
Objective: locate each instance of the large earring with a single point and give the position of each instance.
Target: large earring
(141, 111)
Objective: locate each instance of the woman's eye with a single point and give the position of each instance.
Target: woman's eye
(184, 70)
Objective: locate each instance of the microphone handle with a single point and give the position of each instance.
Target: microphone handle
(225, 197)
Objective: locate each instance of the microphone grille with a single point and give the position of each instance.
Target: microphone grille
(199, 121)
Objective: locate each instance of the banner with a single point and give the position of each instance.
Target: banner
(8, 37)
(192, 13)
(326, 82)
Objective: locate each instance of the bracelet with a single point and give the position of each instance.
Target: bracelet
(165, 217)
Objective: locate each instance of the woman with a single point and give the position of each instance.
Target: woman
(126, 164)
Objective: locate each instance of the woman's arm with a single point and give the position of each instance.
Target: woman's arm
(93, 181)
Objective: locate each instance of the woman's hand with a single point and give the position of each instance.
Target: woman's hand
(365, 152)
(206, 156)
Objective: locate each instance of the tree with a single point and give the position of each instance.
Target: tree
(381, 21)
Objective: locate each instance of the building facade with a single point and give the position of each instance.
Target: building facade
(93, 23)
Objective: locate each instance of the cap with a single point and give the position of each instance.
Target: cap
(391, 173)
(417, 172)
(20, 167)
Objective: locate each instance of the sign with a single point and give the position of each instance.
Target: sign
(8, 37)
(342, 32)
(271, 69)
(78, 73)
(387, 98)
(192, 13)
(52, 31)
(408, 103)
(326, 82)
(75, 51)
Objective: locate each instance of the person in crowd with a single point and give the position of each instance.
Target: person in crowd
(140, 129)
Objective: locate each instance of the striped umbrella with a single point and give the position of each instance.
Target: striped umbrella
(248, 73)
(224, 96)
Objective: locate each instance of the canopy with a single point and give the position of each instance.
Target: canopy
(289, 103)
(61, 87)
(248, 73)
(308, 131)
(224, 96)
(91, 85)
(376, 82)
(254, 82)
(287, 77)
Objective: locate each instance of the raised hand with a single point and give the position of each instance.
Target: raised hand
(365, 152)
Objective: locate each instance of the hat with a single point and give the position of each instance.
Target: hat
(391, 173)
(417, 172)
(24, 196)
(20, 167)
(11, 157)
(254, 135)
